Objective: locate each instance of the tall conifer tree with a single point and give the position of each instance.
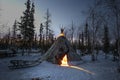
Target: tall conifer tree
(27, 25)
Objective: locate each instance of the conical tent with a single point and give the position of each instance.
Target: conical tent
(59, 49)
(55, 54)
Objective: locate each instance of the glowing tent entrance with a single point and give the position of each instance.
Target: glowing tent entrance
(60, 50)
(64, 61)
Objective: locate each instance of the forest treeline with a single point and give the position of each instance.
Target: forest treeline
(101, 30)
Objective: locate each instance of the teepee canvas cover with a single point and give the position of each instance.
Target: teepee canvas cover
(58, 50)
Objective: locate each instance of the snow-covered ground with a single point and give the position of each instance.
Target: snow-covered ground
(102, 69)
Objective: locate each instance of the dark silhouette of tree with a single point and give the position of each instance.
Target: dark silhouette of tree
(27, 25)
(95, 22)
(31, 31)
(51, 37)
(87, 39)
(35, 41)
(14, 34)
(106, 41)
(82, 42)
(41, 35)
(113, 6)
(47, 27)
(86, 31)
(47, 23)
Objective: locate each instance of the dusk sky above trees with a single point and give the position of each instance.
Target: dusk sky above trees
(53, 38)
(63, 12)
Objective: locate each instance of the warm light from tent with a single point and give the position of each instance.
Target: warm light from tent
(64, 61)
(82, 69)
(61, 34)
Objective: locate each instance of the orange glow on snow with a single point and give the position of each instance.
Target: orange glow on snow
(64, 61)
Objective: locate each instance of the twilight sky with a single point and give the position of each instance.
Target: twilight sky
(62, 12)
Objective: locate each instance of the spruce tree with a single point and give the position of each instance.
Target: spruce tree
(47, 27)
(51, 37)
(47, 23)
(41, 34)
(31, 34)
(27, 24)
(14, 34)
(14, 29)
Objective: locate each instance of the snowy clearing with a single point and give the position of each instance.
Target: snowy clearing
(102, 69)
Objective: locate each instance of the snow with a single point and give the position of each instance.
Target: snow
(102, 69)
